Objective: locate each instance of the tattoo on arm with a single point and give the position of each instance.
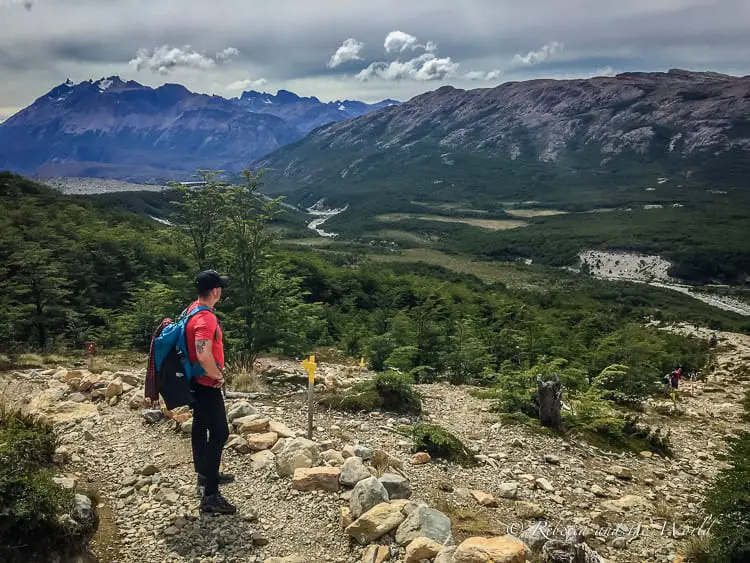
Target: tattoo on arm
(200, 346)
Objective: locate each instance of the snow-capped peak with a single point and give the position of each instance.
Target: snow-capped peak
(104, 84)
(342, 107)
(267, 101)
(69, 83)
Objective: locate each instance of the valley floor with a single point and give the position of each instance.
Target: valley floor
(160, 521)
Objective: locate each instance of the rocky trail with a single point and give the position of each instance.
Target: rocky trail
(149, 507)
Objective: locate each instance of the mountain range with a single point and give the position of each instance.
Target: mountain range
(555, 140)
(123, 129)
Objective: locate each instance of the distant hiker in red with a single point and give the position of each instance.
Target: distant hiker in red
(210, 432)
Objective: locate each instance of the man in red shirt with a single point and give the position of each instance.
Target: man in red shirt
(210, 431)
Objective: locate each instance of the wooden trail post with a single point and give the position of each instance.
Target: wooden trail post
(549, 395)
(309, 365)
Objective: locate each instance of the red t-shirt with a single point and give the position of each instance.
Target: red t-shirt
(204, 326)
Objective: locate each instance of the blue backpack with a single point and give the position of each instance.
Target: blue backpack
(174, 369)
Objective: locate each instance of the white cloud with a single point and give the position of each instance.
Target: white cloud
(605, 71)
(349, 51)
(398, 42)
(227, 54)
(164, 59)
(478, 75)
(536, 57)
(245, 84)
(424, 68)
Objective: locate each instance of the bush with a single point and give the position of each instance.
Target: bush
(517, 394)
(30, 502)
(439, 443)
(728, 502)
(28, 361)
(389, 391)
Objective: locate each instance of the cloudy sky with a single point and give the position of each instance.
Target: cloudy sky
(363, 49)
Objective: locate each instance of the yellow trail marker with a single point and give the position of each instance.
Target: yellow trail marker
(310, 366)
(362, 362)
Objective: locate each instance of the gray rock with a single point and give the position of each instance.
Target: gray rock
(152, 416)
(397, 486)
(428, 522)
(446, 556)
(148, 470)
(557, 551)
(536, 535)
(239, 410)
(508, 490)
(77, 397)
(552, 459)
(353, 471)
(296, 453)
(262, 460)
(363, 452)
(366, 494)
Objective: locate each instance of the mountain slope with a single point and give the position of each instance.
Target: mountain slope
(309, 112)
(113, 128)
(559, 141)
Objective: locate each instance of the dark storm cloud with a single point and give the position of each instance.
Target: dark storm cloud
(292, 43)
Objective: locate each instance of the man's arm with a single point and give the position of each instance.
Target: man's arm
(204, 351)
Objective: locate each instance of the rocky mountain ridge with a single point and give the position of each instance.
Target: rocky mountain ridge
(688, 123)
(122, 129)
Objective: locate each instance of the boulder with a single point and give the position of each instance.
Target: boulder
(420, 458)
(296, 453)
(367, 494)
(508, 490)
(281, 429)
(239, 444)
(485, 499)
(620, 472)
(427, 522)
(422, 548)
(88, 381)
(501, 549)
(152, 416)
(239, 410)
(544, 484)
(254, 426)
(129, 378)
(397, 486)
(357, 450)
(377, 522)
(114, 389)
(258, 442)
(353, 471)
(316, 479)
(148, 470)
(376, 554)
(237, 423)
(262, 460)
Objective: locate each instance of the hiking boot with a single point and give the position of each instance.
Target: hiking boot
(224, 478)
(217, 504)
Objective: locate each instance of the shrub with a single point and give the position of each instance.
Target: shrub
(517, 394)
(424, 374)
(439, 443)
(5, 362)
(28, 361)
(31, 503)
(728, 502)
(389, 391)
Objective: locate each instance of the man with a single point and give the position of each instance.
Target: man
(210, 432)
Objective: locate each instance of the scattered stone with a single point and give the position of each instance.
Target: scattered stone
(262, 460)
(187, 426)
(552, 459)
(296, 453)
(376, 554)
(333, 457)
(556, 551)
(66, 482)
(148, 470)
(627, 502)
(345, 517)
(152, 416)
(427, 522)
(237, 423)
(484, 499)
(287, 559)
(529, 510)
(239, 444)
(422, 548)
(62, 455)
(363, 452)
(129, 378)
(508, 490)
(535, 536)
(420, 458)
(239, 410)
(597, 490)
(367, 494)
(316, 478)
(259, 539)
(544, 484)
(501, 549)
(254, 426)
(353, 471)
(258, 442)
(397, 486)
(620, 472)
(377, 522)
(446, 556)
(77, 397)
(281, 429)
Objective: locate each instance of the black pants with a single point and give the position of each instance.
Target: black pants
(210, 432)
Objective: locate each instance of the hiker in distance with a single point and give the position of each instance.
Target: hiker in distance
(206, 348)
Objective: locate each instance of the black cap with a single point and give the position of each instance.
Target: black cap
(210, 279)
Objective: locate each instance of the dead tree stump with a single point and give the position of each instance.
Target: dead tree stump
(549, 397)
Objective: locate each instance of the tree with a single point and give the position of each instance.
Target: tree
(198, 216)
(466, 355)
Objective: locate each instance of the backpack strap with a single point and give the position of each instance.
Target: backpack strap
(199, 309)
